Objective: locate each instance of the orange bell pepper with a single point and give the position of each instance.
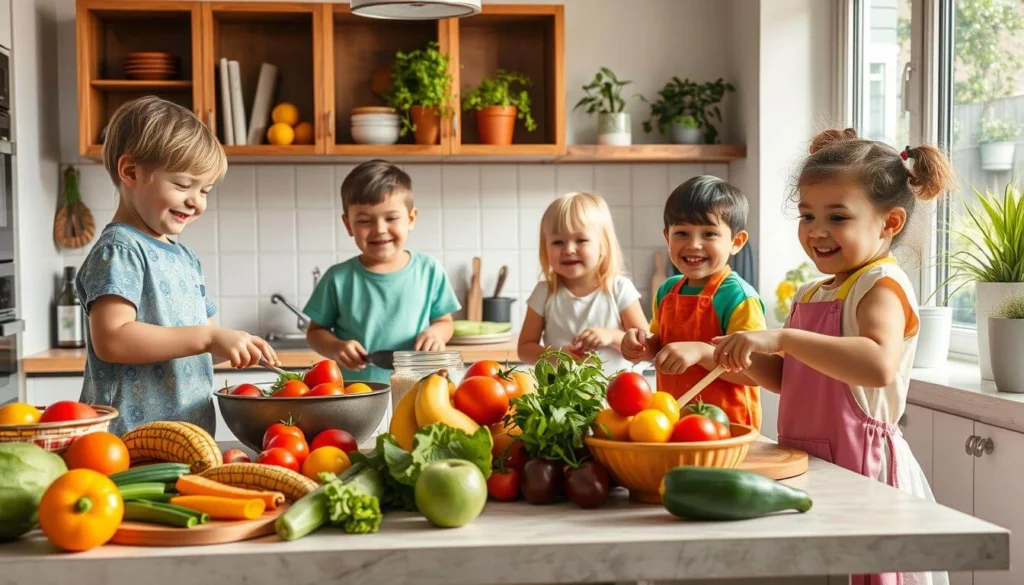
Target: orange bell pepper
(80, 510)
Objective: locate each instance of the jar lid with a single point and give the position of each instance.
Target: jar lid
(416, 359)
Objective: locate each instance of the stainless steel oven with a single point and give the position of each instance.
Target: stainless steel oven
(10, 338)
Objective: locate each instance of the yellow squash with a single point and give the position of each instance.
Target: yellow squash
(177, 442)
(433, 404)
(403, 421)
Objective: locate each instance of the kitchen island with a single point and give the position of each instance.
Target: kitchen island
(856, 525)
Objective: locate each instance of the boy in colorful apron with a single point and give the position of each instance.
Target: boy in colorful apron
(705, 222)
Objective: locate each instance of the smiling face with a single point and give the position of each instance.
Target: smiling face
(574, 256)
(699, 251)
(158, 202)
(841, 230)
(381, 230)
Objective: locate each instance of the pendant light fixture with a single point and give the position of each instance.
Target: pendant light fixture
(415, 9)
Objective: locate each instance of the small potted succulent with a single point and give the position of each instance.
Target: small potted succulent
(1005, 338)
(497, 106)
(604, 97)
(421, 90)
(997, 143)
(688, 106)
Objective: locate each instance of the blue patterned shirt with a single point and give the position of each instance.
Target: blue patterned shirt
(165, 283)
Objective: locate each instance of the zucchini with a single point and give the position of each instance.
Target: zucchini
(141, 491)
(707, 493)
(202, 517)
(145, 512)
(157, 472)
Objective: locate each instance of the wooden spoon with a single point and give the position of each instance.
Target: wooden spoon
(693, 392)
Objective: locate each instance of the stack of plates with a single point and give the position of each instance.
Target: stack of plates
(151, 66)
(372, 125)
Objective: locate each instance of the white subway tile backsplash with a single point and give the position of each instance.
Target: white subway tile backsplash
(278, 274)
(210, 268)
(650, 184)
(614, 183)
(307, 262)
(276, 231)
(459, 266)
(529, 227)
(622, 219)
(237, 190)
(96, 187)
(529, 270)
(569, 178)
(346, 243)
(679, 174)
(500, 229)
(316, 229)
(315, 187)
(648, 227)
(643, 267)
(426, 184)
(461, 229)
(201, 234)
(275, 186)
(499, 186)
(460, 186)
(491, 263)
(238, 275)
(536, 185)
(241, 314)
(426, 234)
(276, 318)
(236, 230)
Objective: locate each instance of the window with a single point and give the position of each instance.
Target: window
(884, 48)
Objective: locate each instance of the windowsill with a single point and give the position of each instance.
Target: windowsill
(957, 388)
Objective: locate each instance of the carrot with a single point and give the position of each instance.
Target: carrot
(195, 485)
(222, 508)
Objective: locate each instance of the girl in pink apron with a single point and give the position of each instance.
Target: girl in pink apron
(842, 363)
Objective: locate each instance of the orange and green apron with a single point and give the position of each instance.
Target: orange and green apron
(693, 318)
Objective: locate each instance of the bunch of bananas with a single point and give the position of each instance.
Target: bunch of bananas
(429, 401)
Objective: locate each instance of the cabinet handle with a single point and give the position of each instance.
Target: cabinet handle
(969, 445)
(983, 446)
(455, 124)
(330, 124)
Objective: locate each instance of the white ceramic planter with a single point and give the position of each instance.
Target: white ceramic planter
(683, 135)
(997, 156)
(989, 295)
(613, 130)
(1006, 338)
(933, 337)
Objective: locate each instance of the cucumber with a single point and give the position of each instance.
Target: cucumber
(141, 491)
(201, 517)
(304, 516)
(707, 493)
(157, 472)
(143, 512)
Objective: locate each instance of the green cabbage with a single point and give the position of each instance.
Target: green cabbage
(25, 472)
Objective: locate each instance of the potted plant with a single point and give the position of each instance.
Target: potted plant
(687, 131)
(421, 91)
(996, 142)
(604, 96)
(498, 105)
(1006, 337)
(935, 323)
(991, 257)
(680, 99)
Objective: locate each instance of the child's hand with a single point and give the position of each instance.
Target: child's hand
(240, 348)
(634, 344)
(676, 358)
(429, 340)
(351, 355)
(593, 338)
(733, 351)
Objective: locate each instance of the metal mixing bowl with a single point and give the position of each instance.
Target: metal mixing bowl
(360, 414)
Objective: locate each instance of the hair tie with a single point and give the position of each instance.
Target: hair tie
(908, 153)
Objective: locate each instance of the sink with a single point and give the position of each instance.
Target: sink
(280, 341)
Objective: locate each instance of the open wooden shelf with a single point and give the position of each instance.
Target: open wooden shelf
(638, 153)
(140, 85)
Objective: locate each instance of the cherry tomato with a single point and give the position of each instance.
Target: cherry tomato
(327, 389)
(483, 399)
(322, 372)
(334, 438)
(508, 452)
(693, 428)
(503, 485)
(297, 446)
(292, 389)
(485, 368)
(235, 456)
(246, 390)
(282, 428)
(629, 393)
(279, 457)
(67, 410)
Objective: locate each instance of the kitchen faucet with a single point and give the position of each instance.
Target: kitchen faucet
(303, 322)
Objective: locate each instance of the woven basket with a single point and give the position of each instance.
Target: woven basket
(56, 436)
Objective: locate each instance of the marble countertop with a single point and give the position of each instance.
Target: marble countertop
(957, 388)
(856, 525)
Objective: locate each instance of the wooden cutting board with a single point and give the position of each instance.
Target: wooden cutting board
(213, 532)
(774, 461)
(475, 298)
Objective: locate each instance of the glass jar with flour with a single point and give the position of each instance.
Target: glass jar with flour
(411, 366)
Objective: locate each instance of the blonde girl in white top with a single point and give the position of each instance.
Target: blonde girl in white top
(585, 303)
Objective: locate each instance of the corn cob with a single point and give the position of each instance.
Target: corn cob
(178, 442)
(256, 476)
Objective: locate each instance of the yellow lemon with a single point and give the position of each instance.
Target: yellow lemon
(19, 413)
(285, 113)
(280, 134)
(327, 458)
(612, 425)
(664, 402)
(304, 133)
(357, 388)
(650, 426)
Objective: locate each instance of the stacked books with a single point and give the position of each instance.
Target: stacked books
(235, 131)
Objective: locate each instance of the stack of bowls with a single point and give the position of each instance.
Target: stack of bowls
(151, 66)
(374, 125)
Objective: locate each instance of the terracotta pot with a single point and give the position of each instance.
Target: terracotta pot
(496, 124)
(428, 124)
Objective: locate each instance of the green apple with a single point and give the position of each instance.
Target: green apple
(451, 492)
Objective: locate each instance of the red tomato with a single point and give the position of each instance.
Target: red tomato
(292, 389)
(629, 393)
(723, 431)
(246, 390)
(322, 372)
(483, 399)
(503, 485)
(100, 451)
(508, 453)
(67, 410)
(282, 428)
(694, 428)
(235, 456)
(485, 368)
(279, 457)
(334, 438)
(327, 389)
(295, 445)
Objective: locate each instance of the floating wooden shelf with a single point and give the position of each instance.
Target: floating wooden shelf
(141, 85)
(638, 153)
(271, 150)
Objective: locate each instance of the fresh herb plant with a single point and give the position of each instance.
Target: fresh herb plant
(604, 94)
(420, 78)
(682, 98)
(498, 91)
(993, 240)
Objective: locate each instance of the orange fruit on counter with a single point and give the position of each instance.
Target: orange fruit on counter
(285, 113)
(667, 404)
(280, 134)
(357, 388)
(612, 425)
(102, 452)
(327, 458)
(303, 133)
(650, 426)
(19, 413)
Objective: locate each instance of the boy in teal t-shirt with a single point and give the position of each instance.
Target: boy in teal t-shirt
(387, 298)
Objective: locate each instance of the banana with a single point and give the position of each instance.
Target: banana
(403, 421)
(433, 404)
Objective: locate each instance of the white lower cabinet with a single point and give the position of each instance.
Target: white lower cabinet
(998, 485)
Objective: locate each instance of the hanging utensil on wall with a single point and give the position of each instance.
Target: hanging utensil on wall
(73, 226)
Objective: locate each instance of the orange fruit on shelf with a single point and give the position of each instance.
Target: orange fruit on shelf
(650, 426)
(285, 113)
(102, 452)
(280, 134)
(303, 133)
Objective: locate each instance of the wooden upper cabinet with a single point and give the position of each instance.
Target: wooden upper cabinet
(108, 31)
(284, 34)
